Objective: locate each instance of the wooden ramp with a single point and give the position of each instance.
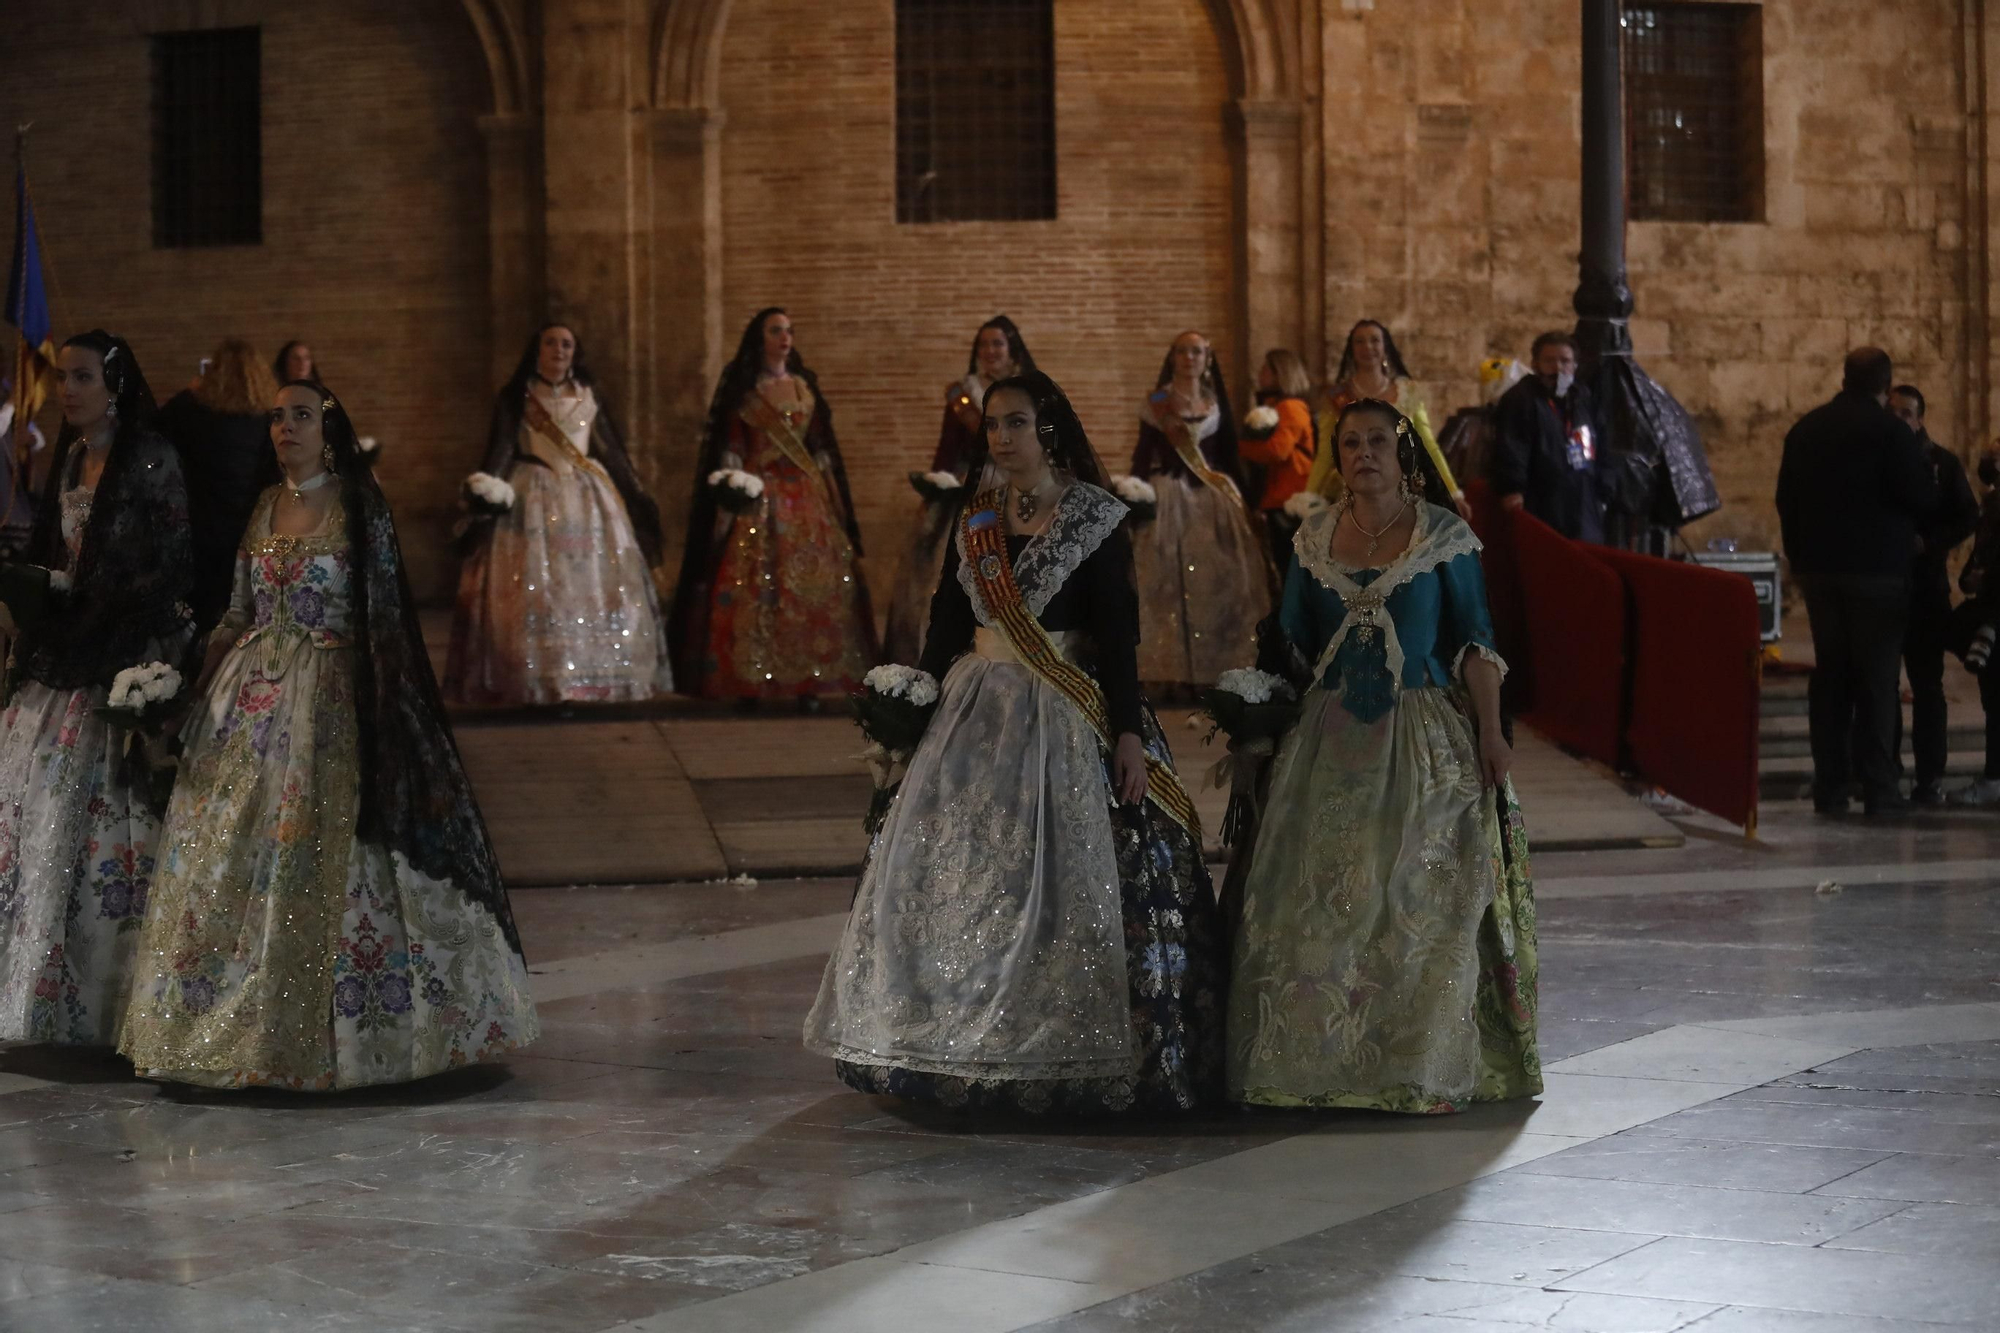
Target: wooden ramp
(582, 800)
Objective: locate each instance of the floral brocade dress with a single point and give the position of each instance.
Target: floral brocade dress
(1386, 957)
(789, 615)
(77, 852)
(281, 949)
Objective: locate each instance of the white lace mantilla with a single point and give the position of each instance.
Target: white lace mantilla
(1440, 536)
(1084, 517)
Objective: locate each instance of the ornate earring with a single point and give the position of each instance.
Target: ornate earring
(1047, 433)
(326, 456)
(111, 408)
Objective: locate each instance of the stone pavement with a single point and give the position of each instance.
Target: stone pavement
(686, 792)
(1770, 1109)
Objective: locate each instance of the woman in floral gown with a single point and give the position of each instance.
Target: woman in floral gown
(1034, 928)
(998, 351)
(771, 604)
(556, 602)
(1386, 953)
(1204, 564)
(78, 832)
(328, 912)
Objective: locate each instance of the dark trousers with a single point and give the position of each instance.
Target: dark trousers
(1989, 698)
(1857, 634)
(1923, 659)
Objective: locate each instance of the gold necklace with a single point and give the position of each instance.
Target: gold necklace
(1026, 503)
(312, 483)
(1375, 538)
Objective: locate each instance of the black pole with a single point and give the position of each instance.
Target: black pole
(1603, 297)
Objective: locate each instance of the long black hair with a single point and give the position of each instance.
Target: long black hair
(131, 397)
(739, 377)
(1389, 353)
(1056, 424)
(1411, 455)
(531, 357)
(1017, 346)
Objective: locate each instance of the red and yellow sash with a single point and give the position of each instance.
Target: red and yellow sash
(1181, 435)
(766, 416)
(993, 570)
(536, 416)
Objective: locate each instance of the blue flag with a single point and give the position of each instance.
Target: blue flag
(27, 299)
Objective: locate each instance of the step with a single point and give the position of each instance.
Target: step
(1789, 777)
(1780, 736)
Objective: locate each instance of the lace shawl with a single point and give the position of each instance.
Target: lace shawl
(1084, 517)
(134, 570)
(1440, 536)
(607, 447)
(415, 798)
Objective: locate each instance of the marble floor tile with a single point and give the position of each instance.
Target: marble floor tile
(1923, 1178)
(1965, 1231)
(1676, 1161)
(1528, 1199)
(1920, 1288)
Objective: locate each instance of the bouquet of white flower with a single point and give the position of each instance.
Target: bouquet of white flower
(893, 706)
(1261, 423)
(487, 494)
(734, 489)
(371, 449)
(1305, 504)
(1138, 495)
(939, 487)
(139, 693)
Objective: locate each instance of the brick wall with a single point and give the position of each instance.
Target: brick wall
(374, 217)
(1452, 167)
(885, 312)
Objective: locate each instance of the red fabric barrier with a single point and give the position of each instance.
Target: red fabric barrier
(1504, 598)
(1692, 724)
(1576, 635)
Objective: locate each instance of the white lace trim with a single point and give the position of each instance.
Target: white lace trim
(1084, 517)
(1458, 663)
(1440, 536)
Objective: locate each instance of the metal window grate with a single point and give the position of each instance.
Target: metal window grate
(208, 180)
(1694, 111)
(975, 110)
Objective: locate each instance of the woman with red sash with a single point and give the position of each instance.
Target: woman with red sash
(1034, 928)
(771, 604)
(1204, 565)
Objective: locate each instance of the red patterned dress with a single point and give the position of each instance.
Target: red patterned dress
(787, 612)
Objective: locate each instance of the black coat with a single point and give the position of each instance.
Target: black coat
(1853, 489)
(1956, 518)
(1530, 457)
(227, 462)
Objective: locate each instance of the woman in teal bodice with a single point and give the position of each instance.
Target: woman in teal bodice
(1386, 957)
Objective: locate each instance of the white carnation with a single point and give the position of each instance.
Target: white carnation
(1305, 504)
(1262, 419)
(903, 682)
(135, 687)
(1253, 686)
(736, 479)
(944, 481)
(59, 580)
(491, 489)
(368, 444)
(1134, 490)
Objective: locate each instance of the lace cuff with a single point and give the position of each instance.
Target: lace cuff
(1458, 662)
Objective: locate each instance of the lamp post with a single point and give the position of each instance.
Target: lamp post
(1654, 472)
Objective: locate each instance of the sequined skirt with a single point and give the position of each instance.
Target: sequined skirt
(281, 949)
(1205, 580)
(557, 605)
(77, 847)
(1017, 938)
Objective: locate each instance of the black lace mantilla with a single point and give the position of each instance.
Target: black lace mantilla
(415, 798)
(133, 573)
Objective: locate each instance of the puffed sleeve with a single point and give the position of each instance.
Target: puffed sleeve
(1466, 623)
(952, 621)
(1114, 618)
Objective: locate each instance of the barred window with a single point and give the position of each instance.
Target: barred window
(208, 179)
(1694, 111)
(975, 110)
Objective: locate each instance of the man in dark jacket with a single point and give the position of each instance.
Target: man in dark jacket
(1548, 445)
(1853, 491)
(1956, 517)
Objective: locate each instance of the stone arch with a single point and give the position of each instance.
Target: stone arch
(687, 49)
(497, 23)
